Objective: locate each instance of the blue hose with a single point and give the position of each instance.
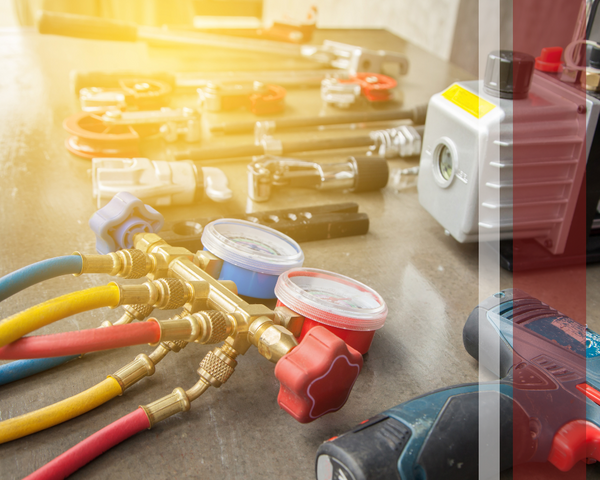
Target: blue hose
(38, 272)
(9, 372)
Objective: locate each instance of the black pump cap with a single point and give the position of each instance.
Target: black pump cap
(372, 173)
(508, 74)
(593, 55)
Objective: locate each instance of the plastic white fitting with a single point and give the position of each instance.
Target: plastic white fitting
(157, 183)
(338, 94)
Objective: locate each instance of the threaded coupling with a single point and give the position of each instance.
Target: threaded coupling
(216, 367)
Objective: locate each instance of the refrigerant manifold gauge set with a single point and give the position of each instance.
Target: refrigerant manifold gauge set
(316, 335)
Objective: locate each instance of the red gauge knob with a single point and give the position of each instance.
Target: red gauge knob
(317, 376)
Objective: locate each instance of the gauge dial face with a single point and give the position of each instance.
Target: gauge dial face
(329, 291)
(253, 240)
(445, 162)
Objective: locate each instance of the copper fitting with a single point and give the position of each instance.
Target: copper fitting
(218, 365)
(165, 407)
(133, 372)
(273, 341)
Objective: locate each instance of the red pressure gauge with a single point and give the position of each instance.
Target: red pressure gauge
(342, 305)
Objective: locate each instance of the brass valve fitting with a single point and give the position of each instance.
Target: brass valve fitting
(164, 293)
(135, 312)
(203, 327)
(130, 263)
(133, 372)
(289, 319)
(218, 365)
(273, 341)
(215, 326)
(165, 407)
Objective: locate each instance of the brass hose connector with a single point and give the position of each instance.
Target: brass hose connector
(203, 327)
(289, 319)
(273, 341)
(165, 407)
(130, 263)
(218, 365)
(164, 293)
(133, 372)
(132, 312)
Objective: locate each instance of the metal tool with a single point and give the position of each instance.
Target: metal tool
(356, 174)
(157, 183)
(258, 98)
(131, 93)
(549, 404)
(416, 114)
(404, 140)
(303, 224)
(342, 93)
(115, 133)
(335, 54)
(191, 81)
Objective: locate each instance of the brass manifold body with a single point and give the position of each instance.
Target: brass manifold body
(212, 312)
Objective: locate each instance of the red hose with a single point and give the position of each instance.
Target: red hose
(93, 446)
(83, 341)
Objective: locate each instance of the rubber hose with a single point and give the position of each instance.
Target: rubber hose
(82, 341)
(38, 272)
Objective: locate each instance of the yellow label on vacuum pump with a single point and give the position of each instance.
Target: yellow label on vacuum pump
(469, 102)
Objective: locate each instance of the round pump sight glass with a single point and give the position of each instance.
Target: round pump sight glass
(444, 159)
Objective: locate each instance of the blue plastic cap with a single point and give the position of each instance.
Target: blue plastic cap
(116, 223)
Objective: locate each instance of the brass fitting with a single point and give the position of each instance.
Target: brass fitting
(159, 353)
(210, 263)
(165, 407)
(170, 345)
(273, 341)
(163, 253)
(218, 365)
(197, 390)
(209, 293)
(215, 326)
(289, 319)
(130, 263)
(133, 372)
(132, 312)
(185, 329)
(591, 81)
(164, 293)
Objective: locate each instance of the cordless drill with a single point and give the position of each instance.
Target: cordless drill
(549, 408)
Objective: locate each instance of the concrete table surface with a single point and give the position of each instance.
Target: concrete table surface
(429, 281)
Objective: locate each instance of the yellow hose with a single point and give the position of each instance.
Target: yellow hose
(14, 327)
(47, 417)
